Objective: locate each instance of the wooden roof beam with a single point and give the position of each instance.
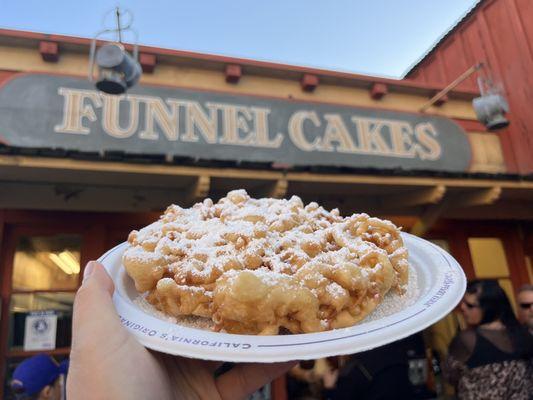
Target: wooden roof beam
(279, 189)
(148, 62)
(429, 217)
(233, 73)
(275, 189)
(309, 82)
(378, 91)
(49, 51)
(480, 197)
(30, 163)
(199, 189)
(432, 213)
(431, 195)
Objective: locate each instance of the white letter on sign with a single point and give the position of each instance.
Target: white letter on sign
(75, 109)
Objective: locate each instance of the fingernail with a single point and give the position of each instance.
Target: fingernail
(89, 268)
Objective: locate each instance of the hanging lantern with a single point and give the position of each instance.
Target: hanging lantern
(490, 110)
(491, 107)
(117, 69)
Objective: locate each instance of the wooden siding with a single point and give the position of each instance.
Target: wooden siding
(500, 34)
(487, 155)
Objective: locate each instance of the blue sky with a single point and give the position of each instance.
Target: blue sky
(374, 37)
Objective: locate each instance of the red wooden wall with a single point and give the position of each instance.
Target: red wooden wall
(500, 34)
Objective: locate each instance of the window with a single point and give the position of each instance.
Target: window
(47, 263)
(45, 278)
(24, 303)
(488, 257)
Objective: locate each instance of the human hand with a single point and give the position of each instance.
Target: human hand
(106, 362)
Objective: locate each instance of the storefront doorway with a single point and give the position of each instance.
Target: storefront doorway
(43, 256)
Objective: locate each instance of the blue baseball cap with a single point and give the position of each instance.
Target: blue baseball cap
(34, 374)
(63, 366)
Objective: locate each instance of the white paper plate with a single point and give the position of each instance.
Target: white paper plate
(441, 284)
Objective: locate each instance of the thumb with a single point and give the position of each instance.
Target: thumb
(96, 271)
(94, 315)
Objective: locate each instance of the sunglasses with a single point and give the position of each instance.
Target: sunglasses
(525, 306)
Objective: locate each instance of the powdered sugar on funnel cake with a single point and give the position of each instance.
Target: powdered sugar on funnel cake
(266, 266)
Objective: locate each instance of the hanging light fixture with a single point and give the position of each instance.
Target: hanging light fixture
(491, 106)
(117, 69)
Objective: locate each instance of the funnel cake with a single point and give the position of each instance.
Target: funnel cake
(266, 266)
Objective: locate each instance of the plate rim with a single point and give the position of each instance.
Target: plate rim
(455, 279)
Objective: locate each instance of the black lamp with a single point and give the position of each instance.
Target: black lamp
(117, 69)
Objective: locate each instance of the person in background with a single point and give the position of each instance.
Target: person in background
(490, 359)
(40, 378)
(304, 381)
(378, 374)
(525, 306)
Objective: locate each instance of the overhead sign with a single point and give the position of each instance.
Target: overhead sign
(40, 331)
(38, 110)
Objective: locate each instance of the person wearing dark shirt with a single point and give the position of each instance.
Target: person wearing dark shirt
(490, 359)
(378, 374)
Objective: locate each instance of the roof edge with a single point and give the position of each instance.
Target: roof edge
(259, 67)
(442, 38)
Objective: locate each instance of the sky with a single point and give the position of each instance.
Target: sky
(371, 37)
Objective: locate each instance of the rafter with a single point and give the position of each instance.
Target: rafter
(276, 189)
(429, 217)
(279, 189)
(479, 197)
(199, 189)
(432, 195)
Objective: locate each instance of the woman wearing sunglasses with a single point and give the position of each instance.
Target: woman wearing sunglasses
(492, 358)
(525, 306)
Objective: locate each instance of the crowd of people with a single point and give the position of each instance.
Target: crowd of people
(382, 373)
(490, 359)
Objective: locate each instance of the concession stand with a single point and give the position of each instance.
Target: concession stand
(79, 169)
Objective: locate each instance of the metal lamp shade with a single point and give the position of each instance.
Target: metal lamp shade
(490, 110)
(117, 70)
